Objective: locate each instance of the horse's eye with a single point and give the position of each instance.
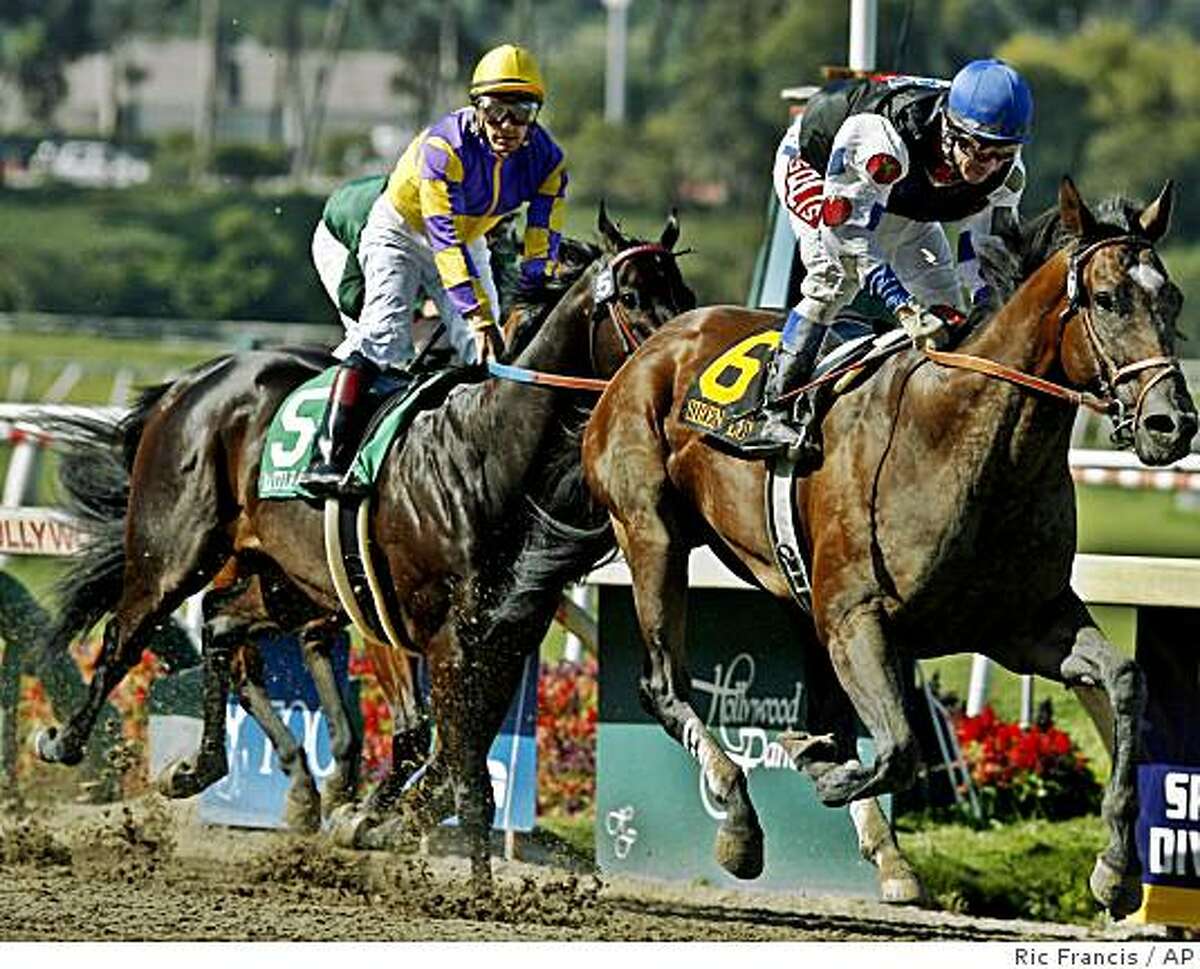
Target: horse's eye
(630, 299)
(1105, 301)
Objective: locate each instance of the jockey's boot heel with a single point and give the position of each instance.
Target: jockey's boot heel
(334, 447)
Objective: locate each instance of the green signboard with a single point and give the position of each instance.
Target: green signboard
(654, 816)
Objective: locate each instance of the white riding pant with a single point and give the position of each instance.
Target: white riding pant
(918, 252)
(398, 269)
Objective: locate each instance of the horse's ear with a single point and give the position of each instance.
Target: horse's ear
(609, 232)
(1155, 218)
(1076, 218)
(670, 233)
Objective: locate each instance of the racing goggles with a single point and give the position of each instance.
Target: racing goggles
(498, 111)
(981, 152)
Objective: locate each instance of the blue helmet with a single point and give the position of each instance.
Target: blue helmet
(990, 101)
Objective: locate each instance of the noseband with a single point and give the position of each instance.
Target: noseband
(606, 295)
(1111, 374)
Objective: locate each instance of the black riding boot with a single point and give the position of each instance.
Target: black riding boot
(788, 368)
(340, 428)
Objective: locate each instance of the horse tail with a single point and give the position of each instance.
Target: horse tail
(554, 554)
(94, 474)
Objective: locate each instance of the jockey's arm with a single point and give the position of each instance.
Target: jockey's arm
(441, 175)
(978, 234)
(867, 159)
(543, 227)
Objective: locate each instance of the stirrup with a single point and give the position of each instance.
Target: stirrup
(322, 480)
(776, 436)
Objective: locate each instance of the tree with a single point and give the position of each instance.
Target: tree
(114, 22)
(39, 38)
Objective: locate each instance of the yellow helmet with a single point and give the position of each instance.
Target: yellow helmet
(508, 69)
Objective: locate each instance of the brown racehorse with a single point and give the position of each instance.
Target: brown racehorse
(476, 516)
(941, 521)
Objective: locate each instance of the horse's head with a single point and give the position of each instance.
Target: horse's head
(636, 288)
(1119, 331)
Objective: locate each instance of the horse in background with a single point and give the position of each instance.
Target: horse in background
(473, 517)
(941, 521)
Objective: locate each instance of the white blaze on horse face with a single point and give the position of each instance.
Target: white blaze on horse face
(1146, 276)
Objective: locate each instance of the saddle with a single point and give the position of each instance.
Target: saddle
(725, 400)
(394, 399)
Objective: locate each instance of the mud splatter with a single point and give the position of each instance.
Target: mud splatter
(29, 842)
(305, 865)
(134, 841)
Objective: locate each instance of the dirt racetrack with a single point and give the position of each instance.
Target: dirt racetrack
(146, 870)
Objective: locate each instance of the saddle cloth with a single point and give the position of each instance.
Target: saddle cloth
(724, 401)
(398, 398)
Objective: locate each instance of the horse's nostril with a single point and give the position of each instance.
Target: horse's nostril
(1162, 423)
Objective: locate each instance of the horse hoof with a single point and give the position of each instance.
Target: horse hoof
(1119, 893)
(49, 746)
(335, 794)
(900, 886)
(805, 748)
(178, 780)
(302, 810)
(740, 851)
(347, 826)
(840, 786)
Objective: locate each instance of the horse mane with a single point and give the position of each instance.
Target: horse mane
(1042, 236)
(1033, 241)
(534, 301)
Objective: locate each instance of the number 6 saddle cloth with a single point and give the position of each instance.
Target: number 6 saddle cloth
(725, 400)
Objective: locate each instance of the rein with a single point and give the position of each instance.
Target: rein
(523, 375)
(1111, 375)
(605, 294)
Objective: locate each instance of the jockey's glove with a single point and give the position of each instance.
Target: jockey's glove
(926, 328)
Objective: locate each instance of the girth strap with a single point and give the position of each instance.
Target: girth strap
(783, 530)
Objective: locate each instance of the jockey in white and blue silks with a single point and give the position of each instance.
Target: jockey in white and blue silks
(381, 248)
(869, 175)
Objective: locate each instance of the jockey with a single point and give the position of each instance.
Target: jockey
(381, 243)
(868, 175)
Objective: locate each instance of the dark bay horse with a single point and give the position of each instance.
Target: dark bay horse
(941, 521)
(475, 517)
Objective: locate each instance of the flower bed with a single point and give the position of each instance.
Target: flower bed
(566, 738)
(1021, 773)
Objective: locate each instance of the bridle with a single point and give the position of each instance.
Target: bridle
(607, 295)
(1111, 375)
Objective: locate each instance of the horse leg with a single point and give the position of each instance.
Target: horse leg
(117, 657)
(302, 807)
(1077, 654)
(472, 686)
(317, 639)
(831, 743)
(185, 778)
(165, 561)
(412, 733)
(870, 674)
(658, 564)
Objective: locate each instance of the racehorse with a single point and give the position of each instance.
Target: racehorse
(471, 515)
(942, 519)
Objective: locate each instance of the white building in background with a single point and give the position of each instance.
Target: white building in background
(361, 91)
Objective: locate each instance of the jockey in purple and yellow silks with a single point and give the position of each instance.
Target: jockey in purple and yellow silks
(451, 184)
(382, 245)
